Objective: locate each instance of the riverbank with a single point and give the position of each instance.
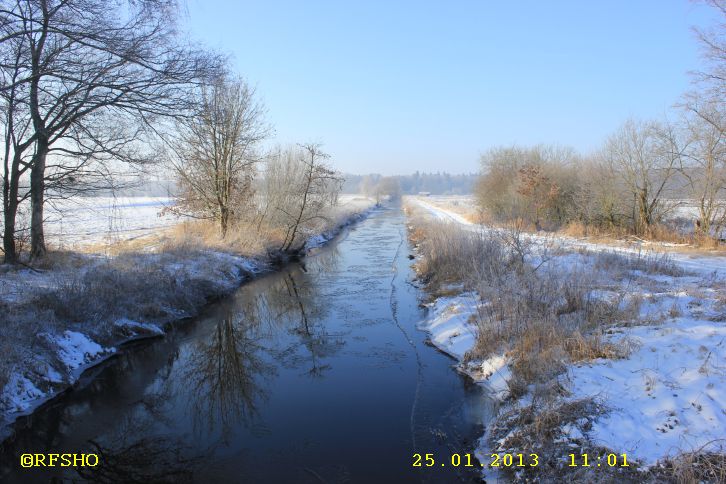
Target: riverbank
(589, 351)
(78, 308)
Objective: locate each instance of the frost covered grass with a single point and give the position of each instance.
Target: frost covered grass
(253, 237)
(72, 309)
(536, 316)
(86, 305)
(589, 350)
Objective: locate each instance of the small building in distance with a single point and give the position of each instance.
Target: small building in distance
(424, 194)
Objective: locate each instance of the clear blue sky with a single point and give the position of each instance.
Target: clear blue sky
(398, 86)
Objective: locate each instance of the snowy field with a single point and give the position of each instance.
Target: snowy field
(681, 216)
(92, 220)
(667, 396)
(84, 221)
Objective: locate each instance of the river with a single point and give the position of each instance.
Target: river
(315, 373)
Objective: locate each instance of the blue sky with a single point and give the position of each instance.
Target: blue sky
(398, 86)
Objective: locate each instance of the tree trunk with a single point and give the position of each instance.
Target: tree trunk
(37, 198)
(223, 220)
(302, 206)
(10, 210)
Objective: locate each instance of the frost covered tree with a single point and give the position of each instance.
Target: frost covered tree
(645, 156)
(704, 161)
(215, 153)
(299, 185)
(90, 78)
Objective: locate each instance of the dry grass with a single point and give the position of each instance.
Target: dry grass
(543, 317)
(579, 229)
(662, 236)
(135, 287)
(89, 294)
(692, 467)
(450, 255)
(244, 238)
(648, 262)
(538, 429)
(543, 322)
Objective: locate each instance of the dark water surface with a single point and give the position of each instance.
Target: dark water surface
(313, 374)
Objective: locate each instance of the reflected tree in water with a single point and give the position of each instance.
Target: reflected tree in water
(123, 456)
(295, 302)
(222, 372)
(150, 459)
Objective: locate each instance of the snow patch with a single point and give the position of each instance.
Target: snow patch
(134, 327)
(449, 324)
(19, 394)
(451, 330)
(76, 349)
(668, 397)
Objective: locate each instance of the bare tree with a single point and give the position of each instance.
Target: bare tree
(536, 184)
(712, 79)
(215, 154)
(299, 185)
(17, 144)
(97, 74)
(704, 163)
(644, 155)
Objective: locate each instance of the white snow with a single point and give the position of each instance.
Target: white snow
(449, 324)
(316, 241)
(136, 327)
(443, 214)
(85, 220)
(669, 396)
(692, 262)
(19, 393)
(76, 349)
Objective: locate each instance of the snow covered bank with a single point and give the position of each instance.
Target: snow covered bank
(450, 325)
(81, 319)
(647, 380)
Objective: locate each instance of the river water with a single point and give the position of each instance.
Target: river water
(316, 373)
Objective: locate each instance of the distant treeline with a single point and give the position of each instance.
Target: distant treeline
(435, 183)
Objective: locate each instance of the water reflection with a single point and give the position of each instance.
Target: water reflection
(149, 459)
(225, 373)
(221, 373)
(295, 303)
(131, 453)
